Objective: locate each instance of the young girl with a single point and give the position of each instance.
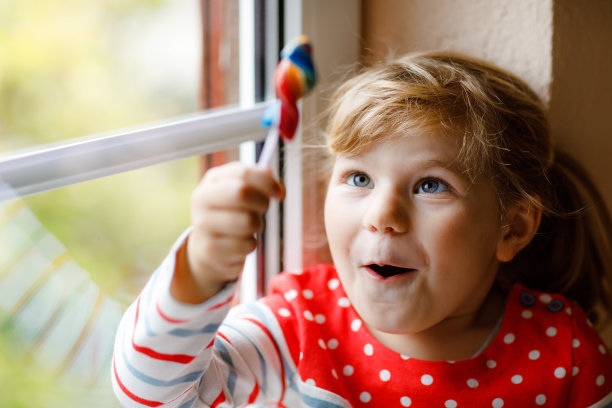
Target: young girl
(468, 253)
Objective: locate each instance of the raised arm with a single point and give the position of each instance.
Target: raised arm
(170, 349)
(226, 212)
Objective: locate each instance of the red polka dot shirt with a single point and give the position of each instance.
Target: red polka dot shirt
(544, 354)
(304, 345)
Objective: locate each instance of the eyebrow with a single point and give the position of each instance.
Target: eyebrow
(452, 166)
(424, 163)
(428, 163)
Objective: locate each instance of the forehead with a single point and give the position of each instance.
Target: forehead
(429, 146)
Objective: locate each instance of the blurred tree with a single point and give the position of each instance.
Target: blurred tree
(70, 68)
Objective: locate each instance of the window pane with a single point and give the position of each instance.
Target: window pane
(119, 228)
(71, 68)
(73, 258)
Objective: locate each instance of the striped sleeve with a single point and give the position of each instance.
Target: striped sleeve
(176, 355)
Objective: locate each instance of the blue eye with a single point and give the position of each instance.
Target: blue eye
(359, 180)
(432, 186)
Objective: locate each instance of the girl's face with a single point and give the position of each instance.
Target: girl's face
(414, 241)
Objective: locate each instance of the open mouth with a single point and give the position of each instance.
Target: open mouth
(387, 271)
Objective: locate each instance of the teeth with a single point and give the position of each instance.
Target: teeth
(388, 270)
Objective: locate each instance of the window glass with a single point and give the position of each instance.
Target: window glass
(71, 68)
(120, 227)
(74, 257)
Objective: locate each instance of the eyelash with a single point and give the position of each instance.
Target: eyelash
(430, 179)
(349, 179)
(350, 176)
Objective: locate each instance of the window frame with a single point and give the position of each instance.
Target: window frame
(333, 28)
(84, 159)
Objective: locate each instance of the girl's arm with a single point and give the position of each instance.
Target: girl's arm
(169, 350)
(227, 211)
(169, 353)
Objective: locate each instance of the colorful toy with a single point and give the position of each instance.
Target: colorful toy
(293, 78)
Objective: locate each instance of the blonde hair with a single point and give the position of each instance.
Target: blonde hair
(505, 136)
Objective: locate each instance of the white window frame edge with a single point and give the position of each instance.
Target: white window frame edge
(249, 280)
(317, 19)
(80, 160)
(272, 256)
(292, 213)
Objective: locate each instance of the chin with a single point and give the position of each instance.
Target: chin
(386, 322)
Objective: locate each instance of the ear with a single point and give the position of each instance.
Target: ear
(521, 222)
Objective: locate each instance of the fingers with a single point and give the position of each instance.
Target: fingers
(227, 209)
(243, 180)
(221, 258)
(231, 223)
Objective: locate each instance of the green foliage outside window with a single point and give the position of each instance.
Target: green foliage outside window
(70, 68)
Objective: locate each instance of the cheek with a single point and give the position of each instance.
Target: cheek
(328, 216)
(333, 224)
(342, 225)
(456, 236)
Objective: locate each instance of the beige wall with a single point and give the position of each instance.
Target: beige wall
(581, 91)
(513, 34)
(562, 48)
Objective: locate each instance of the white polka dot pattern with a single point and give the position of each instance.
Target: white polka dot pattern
(545, 298)
(516, 379)
(333, 284)
(344, 302)
(427, 379)
(365, 396)
(559, 372)
(473, 383)
(517, 359)
(290, 295)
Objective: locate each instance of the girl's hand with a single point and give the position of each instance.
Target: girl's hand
(227, 209)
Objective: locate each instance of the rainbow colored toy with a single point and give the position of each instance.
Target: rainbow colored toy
(293, 78)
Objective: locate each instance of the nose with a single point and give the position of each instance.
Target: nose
(387, 212)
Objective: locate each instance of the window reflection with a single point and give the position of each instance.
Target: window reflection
(73, 258)
(71, 68)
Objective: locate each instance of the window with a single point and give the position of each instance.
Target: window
(109, 206)
(85, 220)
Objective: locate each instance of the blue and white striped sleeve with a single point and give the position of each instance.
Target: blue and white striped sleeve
(172, 354)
